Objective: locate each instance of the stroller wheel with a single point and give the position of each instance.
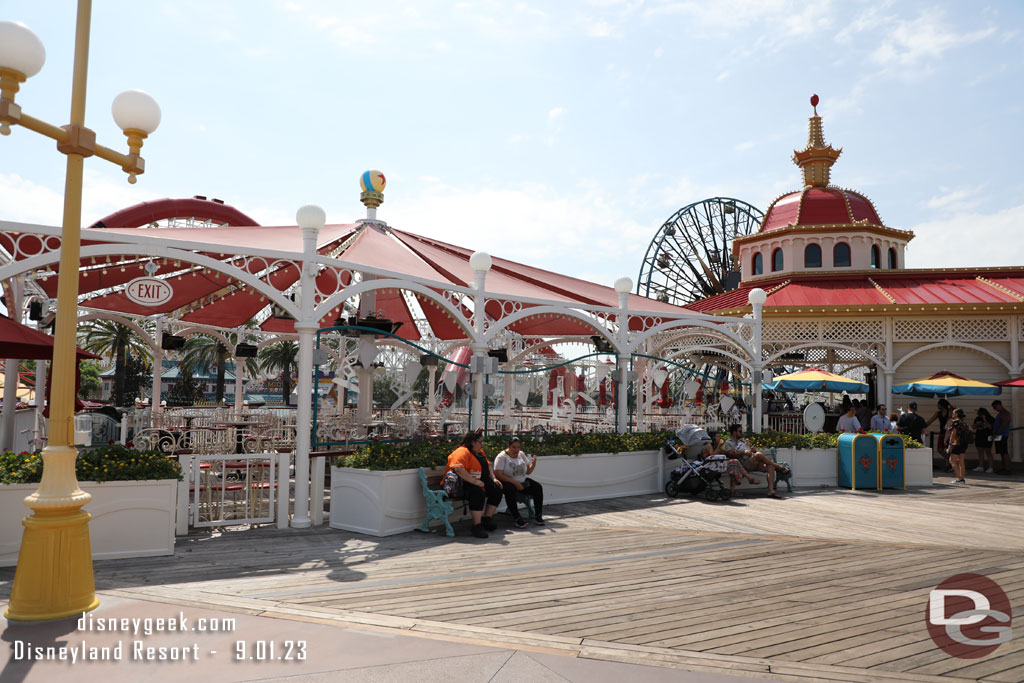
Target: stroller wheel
(724, 494)
(711, 495)
(671, 489)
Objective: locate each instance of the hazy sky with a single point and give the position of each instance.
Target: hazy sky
(561, 134)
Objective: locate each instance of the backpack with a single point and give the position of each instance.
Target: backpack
(959, 437)
(452, 484)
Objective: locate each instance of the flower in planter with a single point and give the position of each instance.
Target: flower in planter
(113, 463)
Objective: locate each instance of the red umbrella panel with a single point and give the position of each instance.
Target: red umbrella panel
(581, 387)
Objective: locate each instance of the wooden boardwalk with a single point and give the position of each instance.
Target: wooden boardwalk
(825, 585)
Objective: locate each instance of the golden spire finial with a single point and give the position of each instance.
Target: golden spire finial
(816, 159)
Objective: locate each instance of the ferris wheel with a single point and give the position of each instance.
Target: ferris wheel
(690, 257)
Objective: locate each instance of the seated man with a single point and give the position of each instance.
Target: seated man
(511, 468)
(752, 461)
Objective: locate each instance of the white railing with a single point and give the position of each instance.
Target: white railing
(233, 489)
(793, 424)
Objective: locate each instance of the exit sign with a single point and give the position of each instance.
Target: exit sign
(149, 291)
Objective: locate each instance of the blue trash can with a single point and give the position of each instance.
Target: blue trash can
(858, 461)
(891, 462)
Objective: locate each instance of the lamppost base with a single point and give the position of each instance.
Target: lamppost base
(54, 576)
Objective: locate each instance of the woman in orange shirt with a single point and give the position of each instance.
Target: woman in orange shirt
(478, 482)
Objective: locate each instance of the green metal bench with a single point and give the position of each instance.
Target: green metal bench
(439, 506)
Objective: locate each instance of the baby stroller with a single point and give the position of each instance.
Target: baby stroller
(702, 476)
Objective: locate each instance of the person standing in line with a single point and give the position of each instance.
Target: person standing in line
(880, 422)
(512, 467)
(848, 422)
(983, 441)
(912, 424)
(959, 439)
(1001, 435)
(863, 414)
(943, 414)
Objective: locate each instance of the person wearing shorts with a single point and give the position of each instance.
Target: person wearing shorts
(752, 461)
(1001, 435)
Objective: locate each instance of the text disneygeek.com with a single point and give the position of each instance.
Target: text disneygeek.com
(137, 649)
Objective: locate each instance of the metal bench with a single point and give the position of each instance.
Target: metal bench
(439, 506)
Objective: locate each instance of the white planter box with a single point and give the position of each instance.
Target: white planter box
(129, 518)
(592, 476)
(919, 467)
(386, 503)
(376, 503)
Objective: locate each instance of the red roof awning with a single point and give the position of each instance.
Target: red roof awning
(22, 342)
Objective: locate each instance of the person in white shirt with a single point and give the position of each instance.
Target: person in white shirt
(848, 422)
(880, 422)
(752, 461)
(512, 468)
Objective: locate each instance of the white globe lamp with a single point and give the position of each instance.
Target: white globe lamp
(480, 261)
(136, 110)
(757, 296)
(623, 285)
(310, 217)
(20, 49)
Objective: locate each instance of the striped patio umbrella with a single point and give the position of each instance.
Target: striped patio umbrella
(1015, 382)
(945, 383)
(816, 379)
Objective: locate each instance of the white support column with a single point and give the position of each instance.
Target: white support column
(239, 386)
(366, 351)
(1015, 436)
(303, 425)
(887, 331)
(622, 424)
(623, 286)
(41, 374)
(477, 409)
(310, 219)
(158, 371)
(757, 297)
(7, 424)
(480, 262)
(432, 389)
(509, 400)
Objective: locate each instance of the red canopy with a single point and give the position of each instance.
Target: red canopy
(1015, 382)
(22, 342)
(203, 295)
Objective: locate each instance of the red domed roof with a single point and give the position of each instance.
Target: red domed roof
(820, 206)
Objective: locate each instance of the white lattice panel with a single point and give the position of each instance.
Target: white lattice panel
(920, 330)
(981, 329)
(792, 330)
(852, 330)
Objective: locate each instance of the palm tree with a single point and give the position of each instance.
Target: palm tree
(200, 353)
(281, 356)
(110, 338)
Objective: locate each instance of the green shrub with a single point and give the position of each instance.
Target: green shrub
(766, 440)
(107, 463)
(392, 456)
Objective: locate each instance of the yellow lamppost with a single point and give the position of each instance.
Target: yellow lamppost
(54, 576)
